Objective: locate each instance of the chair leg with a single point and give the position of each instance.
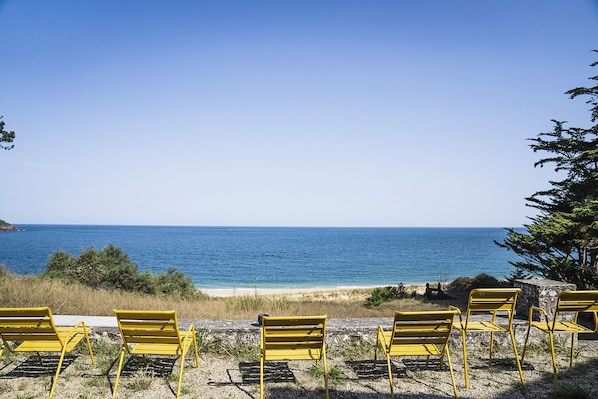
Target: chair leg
(262, 377)
(465, 359)
(57, 371)
(182, 367)
(392, 392)
(556, 379)
(89, 347)
(525, 343)
(196, 352)
(325, 375)
(450, 364)
(120, 366)
(571, 354)
(376, 352)
(491, 348)
(516, 356)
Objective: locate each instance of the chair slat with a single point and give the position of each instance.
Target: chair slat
(25, 312)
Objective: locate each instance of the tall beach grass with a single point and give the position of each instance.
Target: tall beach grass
(63, 298)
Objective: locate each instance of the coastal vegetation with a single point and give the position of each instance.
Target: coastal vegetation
(96, 282)
(111, 269)
(74, 298)
(6, 136)
(561, 242)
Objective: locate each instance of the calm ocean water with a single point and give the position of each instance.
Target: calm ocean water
(239, 257)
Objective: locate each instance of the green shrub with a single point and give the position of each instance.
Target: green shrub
(379, 295)
(112, 269)
(482, 280)
(460, 284)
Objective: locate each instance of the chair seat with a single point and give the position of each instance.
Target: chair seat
(156, 349)
(561, 326)
(481, 326)
(293, 354)
(415, 350)
(48, 346)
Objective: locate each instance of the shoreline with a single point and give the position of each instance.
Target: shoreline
(296, 291)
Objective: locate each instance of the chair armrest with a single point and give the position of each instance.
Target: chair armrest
(80, 326)
(191, 329)
(539, 310)
(456, 309)
(190, 333)
(381, 337)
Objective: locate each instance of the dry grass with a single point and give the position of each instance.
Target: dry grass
(19, 291)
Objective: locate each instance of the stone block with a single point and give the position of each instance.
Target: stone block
(539, 292)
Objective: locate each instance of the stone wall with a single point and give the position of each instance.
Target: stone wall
(539, 292)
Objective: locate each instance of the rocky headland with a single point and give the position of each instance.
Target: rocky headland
(5, 226)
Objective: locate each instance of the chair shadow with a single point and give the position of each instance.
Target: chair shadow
(31, 367)
(505, 364)
(156, 366)
(273, 372)
(367, 370)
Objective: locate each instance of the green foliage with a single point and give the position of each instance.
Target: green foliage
(561, 243)
(6, 137)
(386, 294)
(482, 280)
(112, 269)
(517, 274)
(460, 284)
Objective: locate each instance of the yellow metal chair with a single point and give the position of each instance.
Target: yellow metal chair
(154, 333)
(417, 334)
(568, 302)
(293, 338)
(33, 330)
(488, 301)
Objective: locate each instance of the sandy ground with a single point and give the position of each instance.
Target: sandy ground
(231, 377)
(296, 292)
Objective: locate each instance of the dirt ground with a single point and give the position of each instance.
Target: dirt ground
(225, 376)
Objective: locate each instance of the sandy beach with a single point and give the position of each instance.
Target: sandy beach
(298, 291)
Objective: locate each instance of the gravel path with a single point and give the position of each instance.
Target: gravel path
(224, 376)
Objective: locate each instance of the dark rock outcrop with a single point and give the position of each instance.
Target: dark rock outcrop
(5, 226)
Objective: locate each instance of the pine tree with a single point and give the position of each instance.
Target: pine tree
(561, 242)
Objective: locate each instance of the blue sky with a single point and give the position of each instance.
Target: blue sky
(285, 113)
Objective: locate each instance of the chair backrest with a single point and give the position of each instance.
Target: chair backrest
(577, 302)
(148, 327)
(296, 335)
(27, 324)
(493, 300)
(425, 327)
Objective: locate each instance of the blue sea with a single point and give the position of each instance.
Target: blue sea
(275, 257)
